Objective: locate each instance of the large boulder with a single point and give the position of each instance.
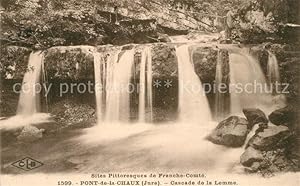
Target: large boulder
(255, 116)
(270, 138)
(283, 116)
(250, 156)
(231, 132)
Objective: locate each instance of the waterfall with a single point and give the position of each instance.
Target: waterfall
(220, 97)
(98, 84)
(248, 87)
(118, 86)
(112, 85)
(273, 74)
(29, 102)
(149, 86)
(28, 111)
(145, 105)
(273, 70)
(193, 105)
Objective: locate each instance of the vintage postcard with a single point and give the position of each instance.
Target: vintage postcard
(150, 92)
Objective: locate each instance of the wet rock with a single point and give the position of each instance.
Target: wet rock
(255, 116)
(251, 156)
(270, 138)
(271, 146)
(78, 113)
(288, 59)
(261, 127)
(205, 62)
(277, 161)
(164, 61)
(281, 162)
(255, 166)
(69, 63)
(69, 112)
(267, 162)
(30, 134)
(9, 99)
(283, 116)
(231, 132)
(164, 38)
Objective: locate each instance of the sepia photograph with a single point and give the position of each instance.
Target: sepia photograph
(149, 92)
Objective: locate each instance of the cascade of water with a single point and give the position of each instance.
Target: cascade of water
(145, 105)
(117, 86)
(98, 84)
(29, 102)
(149, 85)
(45, 84)
(193, 104)
(273, 74)
(220, 97)
(273, 69)
(248, 87)
(142, 86)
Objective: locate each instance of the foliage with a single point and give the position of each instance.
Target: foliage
(45, 23)
(38, 24)
(264, 20)
(13, 62)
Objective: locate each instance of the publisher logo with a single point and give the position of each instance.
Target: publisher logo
(27, 164)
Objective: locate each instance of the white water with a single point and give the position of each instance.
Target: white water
(193, 105)
(160, 142)
(220, 97)
(149, 86)
(112, 60)
(19, 121)
(273, 74)
(273, 70)
(195, 37)
(118, 87)
(29, 99)
(246, 78)
(145, 105)
(98, 85)
(113, 88)
(168, 147)
(29, 102)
